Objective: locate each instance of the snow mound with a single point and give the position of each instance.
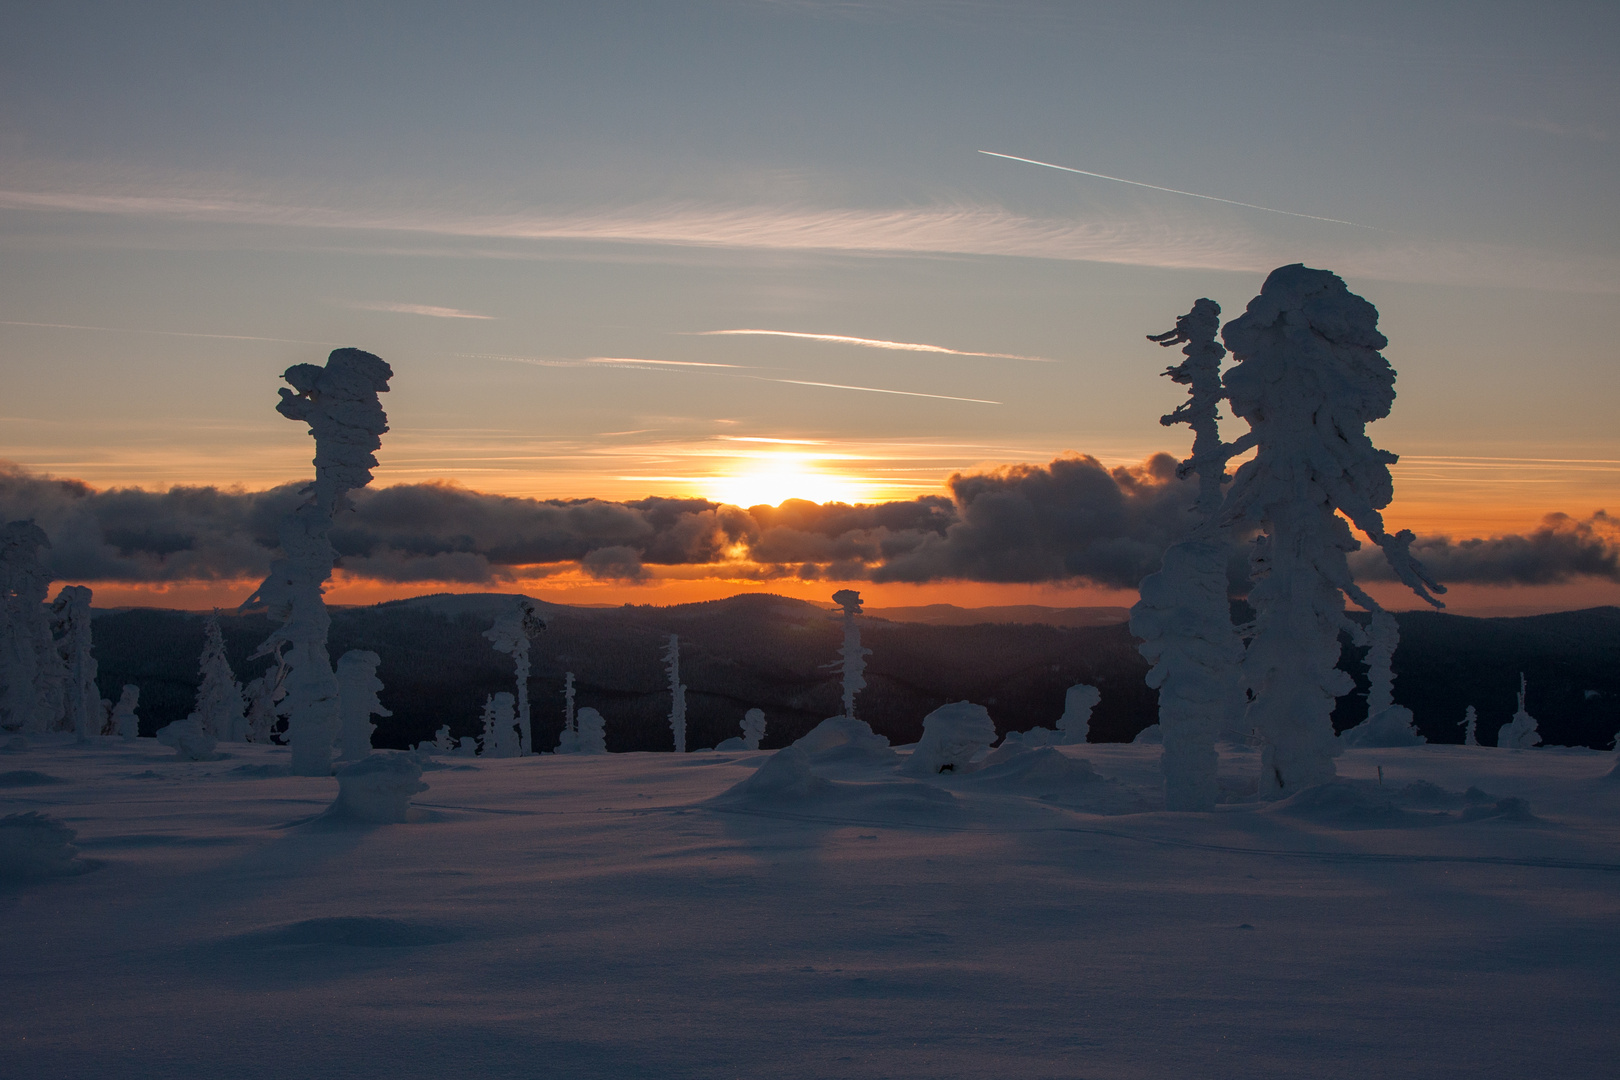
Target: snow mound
(1389, 727)
(845, 739)
(377, 788)
(189, 740)
(1028, 740)
(35, 845)
(785, 775)
(1508, 809)
(954, 736)
(1351, 804)
(28, 778)
(351, 931)
(1152, 735)
(733, 743)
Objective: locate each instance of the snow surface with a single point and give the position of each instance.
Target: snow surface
(985, 925)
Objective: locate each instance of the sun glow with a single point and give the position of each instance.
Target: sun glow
(774, 478)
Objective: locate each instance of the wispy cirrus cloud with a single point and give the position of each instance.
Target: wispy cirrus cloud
(871, 343)
(415, 309)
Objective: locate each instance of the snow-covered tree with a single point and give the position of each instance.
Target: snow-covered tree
(500, 726)
(511, 634)
(1183, 616)
(29, 671)
(81, 701)
(677, 693)
(1075, 723)
(591, 732)
(1470, 726)
(1308, 380)
(357, 693)
(346, 419)
(219, 707)
(124, 722)
(1520, 732)
(851, 662)
(1387, 723)
(753, 728)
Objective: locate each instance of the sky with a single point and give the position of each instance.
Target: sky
(555, 221)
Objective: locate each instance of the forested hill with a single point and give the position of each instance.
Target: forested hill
(770, 652)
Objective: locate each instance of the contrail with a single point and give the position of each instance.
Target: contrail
(873, 390)
(873, 343)
(1175, 191)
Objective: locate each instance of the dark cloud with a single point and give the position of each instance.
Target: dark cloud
(1070, 520)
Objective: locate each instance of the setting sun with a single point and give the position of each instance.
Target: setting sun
(774, 478)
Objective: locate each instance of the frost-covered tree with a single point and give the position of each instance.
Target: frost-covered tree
(591, 732)
(124, 722)
(511, 634)
(677, 693)
(29, 672)
(346, 419)
(1470, 726)
(500, 726)
(357, 693)
(1183, 616)
(1075, 723)
(1520, 732)
(753, 728)
(851, 662)
(1308, 380)
(1387, 723)
(219, 705)
(81, 701)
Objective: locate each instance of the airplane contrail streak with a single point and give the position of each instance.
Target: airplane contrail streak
(874, 390)
(1175, 191)
(873, 343)
(162, 333)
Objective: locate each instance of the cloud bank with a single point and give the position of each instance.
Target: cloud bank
(1072, 520)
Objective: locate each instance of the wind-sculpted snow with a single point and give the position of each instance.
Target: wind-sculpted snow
(956, 738)
(377, 788)
(1072, 519)
(35, 845)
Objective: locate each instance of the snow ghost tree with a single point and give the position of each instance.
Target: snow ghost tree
(590, 732)
(124, 722)
(81, 702)
(851, 662)
(568, 740)
(1183, 617)
(28, 667)
(511, 634)
(1308, 380)
(357, 694)
(1075, 723)
(956, 738)
(219, 707)
(500, 727)
(1387, 723)
(1470, 726)
(677, 693)
(753, 730)
(1520, 732)
(340, 404)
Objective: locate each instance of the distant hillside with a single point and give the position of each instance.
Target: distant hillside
(951, 615)
(771, 652)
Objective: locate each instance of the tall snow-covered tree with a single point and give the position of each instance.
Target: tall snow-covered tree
(677, 693)
(30, 675)
(1183, 616)
(1309, 378)
(511, 634)
(851, 662)
(219, 706)
(82, 712)
(346, 420)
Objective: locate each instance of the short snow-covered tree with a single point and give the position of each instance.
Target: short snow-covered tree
(219, 705)
(1470, 726)
(1075, 723)
(1308, 379)
(500, 726)
(1387, 723)
(591, 732)
(124, 723)
(1519, 733)
(346, 420)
